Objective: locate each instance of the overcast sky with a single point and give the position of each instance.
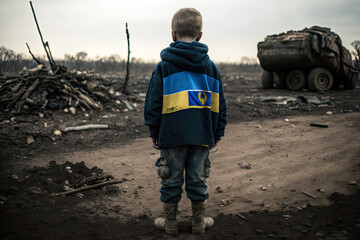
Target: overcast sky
(232, 28)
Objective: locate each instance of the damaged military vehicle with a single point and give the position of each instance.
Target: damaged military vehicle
(312, 58)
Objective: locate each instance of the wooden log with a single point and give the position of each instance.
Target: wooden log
(27, 93)
(16, 97)
(86, 127)
(89, 101)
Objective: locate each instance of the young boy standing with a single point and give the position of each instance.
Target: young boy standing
(185, 110)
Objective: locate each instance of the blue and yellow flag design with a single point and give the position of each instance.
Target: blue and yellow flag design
(184, 90)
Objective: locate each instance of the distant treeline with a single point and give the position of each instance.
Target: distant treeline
(12, 63)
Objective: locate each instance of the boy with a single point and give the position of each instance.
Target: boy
(186, 113)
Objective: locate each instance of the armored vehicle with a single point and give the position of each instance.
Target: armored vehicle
(312, 58)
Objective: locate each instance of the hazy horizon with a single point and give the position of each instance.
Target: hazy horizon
(232, 29)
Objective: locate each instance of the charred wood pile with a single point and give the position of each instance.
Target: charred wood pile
(39, 89)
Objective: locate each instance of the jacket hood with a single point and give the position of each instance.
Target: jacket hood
(188, 56)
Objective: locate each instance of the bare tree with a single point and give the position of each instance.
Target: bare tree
(9, 60)
(80, 59)
(356, 54)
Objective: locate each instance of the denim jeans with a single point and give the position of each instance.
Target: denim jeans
(190, 159)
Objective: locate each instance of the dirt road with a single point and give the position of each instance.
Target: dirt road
(287, 156)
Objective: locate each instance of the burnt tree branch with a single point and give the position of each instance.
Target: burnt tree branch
(128, 60)
(45, 45)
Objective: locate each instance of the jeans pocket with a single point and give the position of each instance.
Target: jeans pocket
(207, 168)
(164, 168)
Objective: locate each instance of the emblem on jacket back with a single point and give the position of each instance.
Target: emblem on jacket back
(202, 99)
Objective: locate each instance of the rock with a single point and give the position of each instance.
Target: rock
(49, 181)
(2, 198)
(321, 190)
(224, 202)
(245, 165)
(57, 133)
(72, 110)
(219, 190)
(259, 231)
(30, 139)
(286, 217)
(329, 113)
(66, 110)
(352, 183)
(319, 234)
(262, 188)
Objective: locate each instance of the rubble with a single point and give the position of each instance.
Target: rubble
(245, 165)
(285, 100)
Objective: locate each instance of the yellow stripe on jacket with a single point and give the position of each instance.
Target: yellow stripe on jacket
(180, 101)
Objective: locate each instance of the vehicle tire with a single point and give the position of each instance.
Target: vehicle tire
(267, 79)
(295, 80)
(320, 79)
(350, 82)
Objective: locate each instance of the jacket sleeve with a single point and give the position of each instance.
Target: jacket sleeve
(153, 103)
(220, 129)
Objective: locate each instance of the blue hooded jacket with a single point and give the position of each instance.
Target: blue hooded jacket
(185, 102)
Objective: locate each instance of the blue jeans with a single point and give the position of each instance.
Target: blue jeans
(192, 160)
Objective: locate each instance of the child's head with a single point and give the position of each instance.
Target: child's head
(187, 24)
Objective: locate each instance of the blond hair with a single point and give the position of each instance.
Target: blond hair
(187, 22)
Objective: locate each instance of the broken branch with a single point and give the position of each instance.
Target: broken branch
(87, 188)
(308, 194)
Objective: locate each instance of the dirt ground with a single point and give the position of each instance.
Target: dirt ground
(273, 176)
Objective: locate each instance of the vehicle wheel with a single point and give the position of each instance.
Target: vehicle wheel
(295, 80)
(267, 79)
(350, 83)
(320, 79)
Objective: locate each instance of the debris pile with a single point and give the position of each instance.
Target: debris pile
(62, 179)
(284, 100)
(38, 89)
